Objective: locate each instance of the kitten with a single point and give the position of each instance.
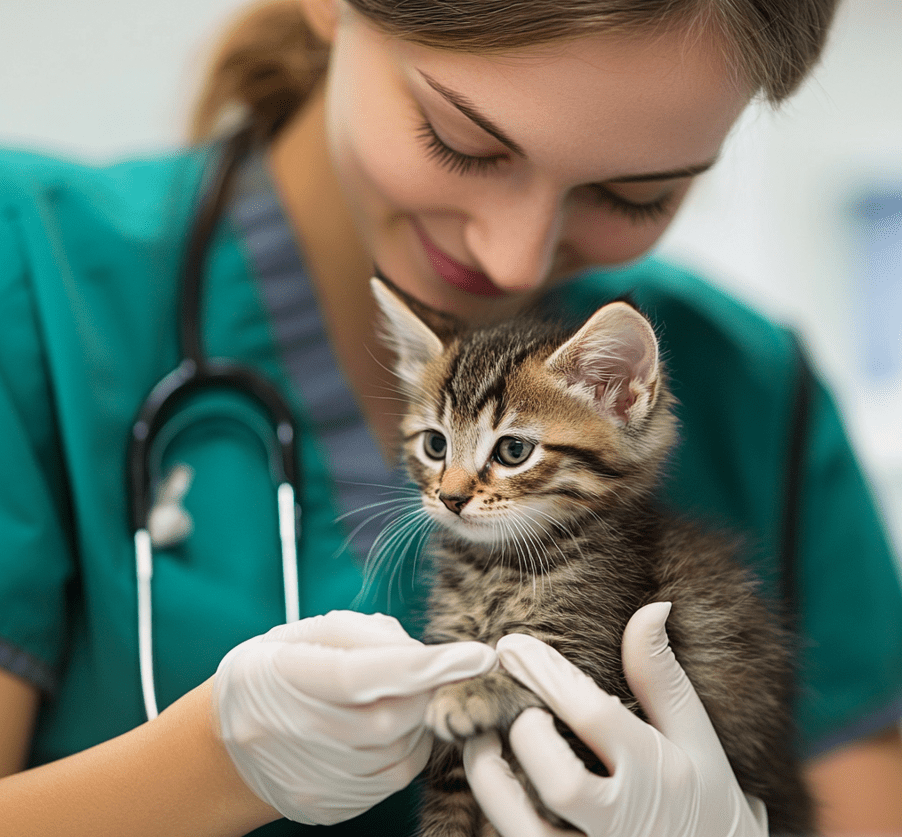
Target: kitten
(538, 451)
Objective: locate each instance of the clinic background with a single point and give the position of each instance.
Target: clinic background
(802, 217)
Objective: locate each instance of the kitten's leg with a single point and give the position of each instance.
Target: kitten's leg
(449, 809)
(492, 701)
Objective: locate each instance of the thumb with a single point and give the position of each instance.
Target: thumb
(660, 684)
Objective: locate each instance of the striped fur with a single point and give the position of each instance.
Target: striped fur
(567, 543)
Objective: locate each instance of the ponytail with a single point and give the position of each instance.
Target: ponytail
(264, 68)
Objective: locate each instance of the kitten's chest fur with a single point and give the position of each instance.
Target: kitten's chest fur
(576, 593)
(542, 589)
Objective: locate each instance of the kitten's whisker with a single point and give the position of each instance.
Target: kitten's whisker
(382, 366)
(542, 567)
(391, 384)
(399, 502)
(392, 415)
(380, 552)
(371, 397)
(516, 539)
(420, 532)
(540, 544)
(502, 543)
(368, 506)
(564, 527)
(407, 489)
(399, 546)
(512, 523)
(384, 547)
(394, 526)
(516, 520)
(534, 564)
(397, 391)
(429, 527)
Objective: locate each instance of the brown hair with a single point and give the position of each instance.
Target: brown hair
(268, 61)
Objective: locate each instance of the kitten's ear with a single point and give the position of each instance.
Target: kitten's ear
(613, 360)
(413, 341)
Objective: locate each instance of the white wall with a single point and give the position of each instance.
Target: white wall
(101, 78)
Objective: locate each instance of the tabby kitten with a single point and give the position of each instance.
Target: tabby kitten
(538, 452)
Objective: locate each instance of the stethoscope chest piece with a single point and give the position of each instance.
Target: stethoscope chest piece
(168, 522)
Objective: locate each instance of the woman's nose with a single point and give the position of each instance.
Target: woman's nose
(514, 241)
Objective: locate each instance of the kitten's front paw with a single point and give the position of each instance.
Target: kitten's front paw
(460, 710)
(464, 709)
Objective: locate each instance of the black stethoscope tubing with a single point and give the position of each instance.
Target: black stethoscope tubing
(196, 373)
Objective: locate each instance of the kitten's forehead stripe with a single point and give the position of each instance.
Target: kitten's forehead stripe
(473, 383)
(447, 391)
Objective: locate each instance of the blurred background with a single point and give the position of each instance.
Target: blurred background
(802, 218)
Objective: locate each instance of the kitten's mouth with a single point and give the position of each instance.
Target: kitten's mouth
(464, 525)
(496, 532)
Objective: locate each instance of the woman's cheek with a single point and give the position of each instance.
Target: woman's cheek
(603, 238)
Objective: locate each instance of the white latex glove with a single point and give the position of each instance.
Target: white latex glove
(670, 778)
(323, 718)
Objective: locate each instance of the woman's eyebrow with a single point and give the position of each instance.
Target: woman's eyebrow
(468, 109)
(671, 174)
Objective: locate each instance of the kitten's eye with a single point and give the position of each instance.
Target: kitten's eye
(434, 444)
(513, 451)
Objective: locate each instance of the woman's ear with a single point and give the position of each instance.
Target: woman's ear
(322, 17)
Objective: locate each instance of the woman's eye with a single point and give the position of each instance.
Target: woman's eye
(434, 444)
(636, 212)
(454, 161)
(513, 451)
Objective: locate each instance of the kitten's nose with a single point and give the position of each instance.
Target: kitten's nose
(455, 502)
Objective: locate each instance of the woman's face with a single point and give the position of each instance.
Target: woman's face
(476, 180)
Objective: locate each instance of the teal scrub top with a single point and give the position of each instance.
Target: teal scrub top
(89, 262)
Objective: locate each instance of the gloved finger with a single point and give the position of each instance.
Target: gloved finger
(362, 675)
(560, 777)
(599, 719)
(344, 629)
(662, 687)
(499, 793)
(293, 707)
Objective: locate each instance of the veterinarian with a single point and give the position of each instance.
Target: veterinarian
(479, 153)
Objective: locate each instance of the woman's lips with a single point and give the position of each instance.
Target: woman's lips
(455, 273)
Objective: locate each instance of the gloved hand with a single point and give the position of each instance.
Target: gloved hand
(671, 777)
(323, 718)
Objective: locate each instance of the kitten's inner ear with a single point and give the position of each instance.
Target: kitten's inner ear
(613, 361)
(413, 341)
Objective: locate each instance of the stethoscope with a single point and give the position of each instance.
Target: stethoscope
(196, 373)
